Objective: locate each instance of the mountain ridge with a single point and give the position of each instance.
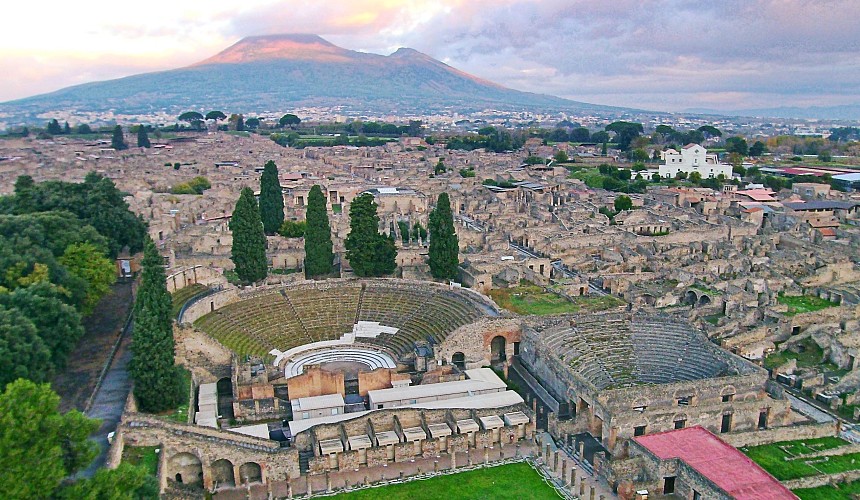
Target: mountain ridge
(280, 72)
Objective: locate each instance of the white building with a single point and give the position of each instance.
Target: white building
(693, 158)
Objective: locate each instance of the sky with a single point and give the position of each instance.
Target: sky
(662, 55)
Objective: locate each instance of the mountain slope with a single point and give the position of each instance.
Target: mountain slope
(276, 73)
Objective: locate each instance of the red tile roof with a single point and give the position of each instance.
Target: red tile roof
(725, 466)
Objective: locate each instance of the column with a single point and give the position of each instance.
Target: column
(591, 495)
(581, 453)
(563, 469)
(555, 462)
(453, 459)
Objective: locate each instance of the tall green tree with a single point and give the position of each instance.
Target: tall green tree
(57, 323)
(444, 246)
(215, 115)
(39, 446)
(289, 120)
(369, 252)
(157, 384)
(271, 199)
(142, 137)
(318, 246)
(117, 141)
(54, 127)
(622, 203)
(23, 354)
(87, 261)
(249, 241)
(126, 482)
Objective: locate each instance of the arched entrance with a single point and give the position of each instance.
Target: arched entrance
(497, 349)
(225, 398)
(222, 473)
(251, 472)
(458, 359)
(704, 300)
(690, 298)
(185, 468)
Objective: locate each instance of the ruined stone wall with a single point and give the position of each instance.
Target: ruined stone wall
(767, 436)
(474, 340)
(180, 278)
(315, 382)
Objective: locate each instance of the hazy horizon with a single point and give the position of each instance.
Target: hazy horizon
(658, 55)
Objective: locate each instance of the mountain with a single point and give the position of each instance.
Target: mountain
(282, 72)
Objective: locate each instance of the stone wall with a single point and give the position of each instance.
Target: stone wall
(211, 303)
(315, 382)
(474, 340)
(183, 277)
(767, 436)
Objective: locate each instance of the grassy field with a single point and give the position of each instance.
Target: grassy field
(844, 491)
(143, 456)
(779, 458)
(804, 304)
(532, 299)
(512, 481)
(181, 296)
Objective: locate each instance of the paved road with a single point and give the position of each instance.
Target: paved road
(810, 411)
(109, 403)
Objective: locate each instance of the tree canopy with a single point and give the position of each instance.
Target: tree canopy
(118, 139)
(39, 447)
(369, 252)
(444, 246)
(215, 115)
(289, 120)
(142, 137)
(737, 145)
(249, 241)
(623, 202)
(271, 199)
(156, 378)
(318, 246)
(625, 132)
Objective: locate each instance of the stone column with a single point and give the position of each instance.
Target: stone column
(581, 451)
(237, 478)
(582, 487)
(310, 486)
(290, 489)
(327, 482)
(563, 469)
(453, 459)
(486, 454)
(547, 454)
(591, 495)
(555, 462)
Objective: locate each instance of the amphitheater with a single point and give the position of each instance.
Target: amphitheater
(391, 316)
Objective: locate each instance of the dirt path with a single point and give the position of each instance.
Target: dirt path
(75, 385)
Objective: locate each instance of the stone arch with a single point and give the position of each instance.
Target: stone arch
(649, 299)
(728, 390)
(251, 472)
(704, 300)
(497, 348)
(222, 473)
(458, 359)
(185, 468)
(690, 298)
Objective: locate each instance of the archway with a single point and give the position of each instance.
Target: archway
(222, 473)
(185, 468)
(458, 359)
(704, 300)
(690, 298)
(225, 397)
(497, 349)
(250, 472)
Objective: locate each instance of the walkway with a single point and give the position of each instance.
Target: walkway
(109, 402)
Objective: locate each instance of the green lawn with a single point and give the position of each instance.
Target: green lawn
(532, 299)
(181, 296)
(804, 303)
(778, 458)
(844, 491)
(512, 481)
(143, 456)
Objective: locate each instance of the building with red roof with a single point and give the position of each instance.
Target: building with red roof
(694, 463)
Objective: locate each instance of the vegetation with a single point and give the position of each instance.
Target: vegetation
(157, 380)
(511, 481)
(623, 203)
(489, 138)
(143, 456)
(842, 491)
(319, 257)
(528, 298)
(118, 140)
(293, 229)
(810, 355)
(369, 252)
(780, 459)
(799, 304)
(444, 246)
(271, 199)
(249, 241)
(195, 186)
(180, 412)
(124, 482)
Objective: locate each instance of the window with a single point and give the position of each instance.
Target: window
(306, 415)
(639, 430)
(697, 495)
(726, 423)
(334, 411)
(681, 423)
(685, 401)
(413, 401)
(668, 485)
(728, 397)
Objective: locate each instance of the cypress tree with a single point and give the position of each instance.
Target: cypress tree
(118, 140)
(142, 137)
(271, 199)
(318, 246)
(157, 384)
(249, 241)
(369, 252)
(444, 246)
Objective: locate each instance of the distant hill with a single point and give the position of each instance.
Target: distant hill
(280, 72)
(849, 112)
